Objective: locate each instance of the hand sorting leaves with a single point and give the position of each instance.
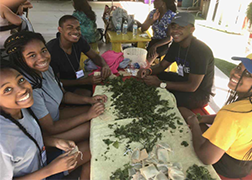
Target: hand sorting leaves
(99, 98)
(152, 81)
(106, 72)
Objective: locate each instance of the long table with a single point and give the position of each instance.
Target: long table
(118, 40)
(105, 161)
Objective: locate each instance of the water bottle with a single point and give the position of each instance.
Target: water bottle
(118, 28)
(130, 68)
(134, 29)
(107, 16)
(125, 27)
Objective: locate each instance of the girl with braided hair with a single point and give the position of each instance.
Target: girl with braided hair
(227, 143)
(28, 51)
(22, 153)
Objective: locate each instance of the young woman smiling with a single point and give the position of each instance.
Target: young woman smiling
(227, 143)
(28, 51)
(159, 19)
(22, 152)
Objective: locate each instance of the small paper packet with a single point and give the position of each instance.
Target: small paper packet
(97, 73)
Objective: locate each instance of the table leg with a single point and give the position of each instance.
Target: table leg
(141, 45)
(107, 38)
(117, 47)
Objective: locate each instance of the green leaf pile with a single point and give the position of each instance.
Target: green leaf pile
(195, 172)
(134, 99)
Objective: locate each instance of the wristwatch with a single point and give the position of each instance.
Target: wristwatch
(162, 85)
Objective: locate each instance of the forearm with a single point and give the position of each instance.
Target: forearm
(63, 125)
(145, 26)
(74, 82)
(162, 42)
(158, 68)
(99, 61)
(180, 86)
(71, 98)
(197, 138)
(37, 175)
(50, 141)
(10, 16)
(208, 119)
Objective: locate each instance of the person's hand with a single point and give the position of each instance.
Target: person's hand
(156, 15)
(105, 72)
(152, 52)
(142, 73)
(27, 4)
(63, 162)
(20, 10)
(65, 145)
(192, 121)
(96, 110)
(94, 79)
(152, 81)
(99, 98)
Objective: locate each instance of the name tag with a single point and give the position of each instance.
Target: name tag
(79, 74)
(180, 70)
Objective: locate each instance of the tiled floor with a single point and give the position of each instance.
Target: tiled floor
(45, 15)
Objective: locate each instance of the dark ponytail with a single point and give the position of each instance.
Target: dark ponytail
(22, 128)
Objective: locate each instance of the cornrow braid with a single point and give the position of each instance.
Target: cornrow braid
(247, 158)
(22, 128)
(248, 155)
(14, 46)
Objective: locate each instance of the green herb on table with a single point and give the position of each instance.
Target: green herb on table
(179, 123)
(121, 174)
(198, 173)
(110, 126)
(184, 143)
(116, 144)
(134, 99)
(107, 141)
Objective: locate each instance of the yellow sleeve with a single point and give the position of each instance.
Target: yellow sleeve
(224, 130)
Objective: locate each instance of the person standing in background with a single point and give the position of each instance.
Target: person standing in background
(87, 17)
(159, 19)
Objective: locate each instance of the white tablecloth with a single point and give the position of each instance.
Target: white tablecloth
(102, 165)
